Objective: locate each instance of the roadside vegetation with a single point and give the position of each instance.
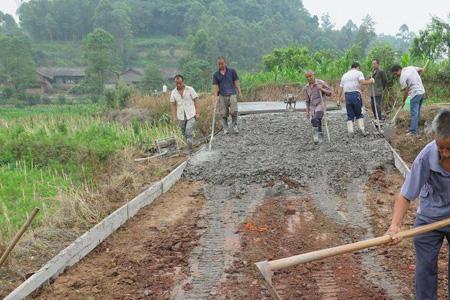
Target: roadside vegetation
(45, 150)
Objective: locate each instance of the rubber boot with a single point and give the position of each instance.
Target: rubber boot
(316, 135)
(361, 126)
(350, 128)
(320, 133)
(225, 125)
(235, 126)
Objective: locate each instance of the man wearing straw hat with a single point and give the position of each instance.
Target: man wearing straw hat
(315, 105)
(429, 180)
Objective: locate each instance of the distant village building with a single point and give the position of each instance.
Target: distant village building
(52, 78)
(169, 73)
(132, 76)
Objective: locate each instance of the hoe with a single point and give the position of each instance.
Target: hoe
(266, 268)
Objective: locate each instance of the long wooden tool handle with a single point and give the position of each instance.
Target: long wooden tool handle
(325, 116)
(395, 116)
(18, 235)
(213, 125)
(324, 253)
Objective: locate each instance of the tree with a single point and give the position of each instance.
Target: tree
(16, 64)
(326, 23)
(101, 59)
(114, 18)
(8, 24)
(153, 79)
(366, 33)
(434, 41)
(197, 73)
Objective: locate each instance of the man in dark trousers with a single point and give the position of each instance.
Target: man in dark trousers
(378, 87)
(227, 88)
(429, 180)
(315, 103)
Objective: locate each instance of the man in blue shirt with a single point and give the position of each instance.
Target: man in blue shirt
(226, 87)
(429, 180)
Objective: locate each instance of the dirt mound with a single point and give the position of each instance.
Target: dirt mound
(127, 115)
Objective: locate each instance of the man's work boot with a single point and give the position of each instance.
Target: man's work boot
(361, 127)
(315, 135)
(225, 125)
(350, 130)
(235, 129)
(320, 137)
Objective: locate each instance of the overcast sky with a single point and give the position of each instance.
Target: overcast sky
(389, 15)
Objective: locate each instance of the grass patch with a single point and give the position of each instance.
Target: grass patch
(48, 149)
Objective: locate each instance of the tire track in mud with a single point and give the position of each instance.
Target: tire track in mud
(226, 208)
(352, 210)
(325, 280)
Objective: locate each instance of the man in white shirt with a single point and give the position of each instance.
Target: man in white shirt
(351, 88)
(412, 86)
(185, 108)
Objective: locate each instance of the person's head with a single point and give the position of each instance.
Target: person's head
(396, 70)
(221, 63)
(355, 66)
(441, 130)
(179, 81)
(375, 63)
(310, 76)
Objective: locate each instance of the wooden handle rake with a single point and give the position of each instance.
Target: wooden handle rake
(266, 268)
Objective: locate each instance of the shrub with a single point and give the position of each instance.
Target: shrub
(62, 99)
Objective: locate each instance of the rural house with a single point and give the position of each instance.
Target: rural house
(132, 76)
(55, 77)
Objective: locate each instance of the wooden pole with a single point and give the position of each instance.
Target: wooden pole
(324, 253)
(325, 116)
(213, 124)
(18, 235)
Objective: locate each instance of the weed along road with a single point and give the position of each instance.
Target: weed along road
(265, 193)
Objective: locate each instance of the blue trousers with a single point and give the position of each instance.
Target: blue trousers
(427, 247)
(416, 105)
(353, 104)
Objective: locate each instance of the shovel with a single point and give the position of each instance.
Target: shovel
(266, 268)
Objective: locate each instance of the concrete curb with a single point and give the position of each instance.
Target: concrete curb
(399, 162)
(92, 238)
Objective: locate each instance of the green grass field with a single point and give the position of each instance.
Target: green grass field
(46, 149)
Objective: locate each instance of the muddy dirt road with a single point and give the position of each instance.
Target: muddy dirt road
(266, 193)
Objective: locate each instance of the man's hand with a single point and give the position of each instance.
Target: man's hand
(338, 104)
(392, 231)
(372, 80)
(308, 115)
(197, 115)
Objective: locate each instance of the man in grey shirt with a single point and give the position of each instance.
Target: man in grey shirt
(412, 86)
(429, 180)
